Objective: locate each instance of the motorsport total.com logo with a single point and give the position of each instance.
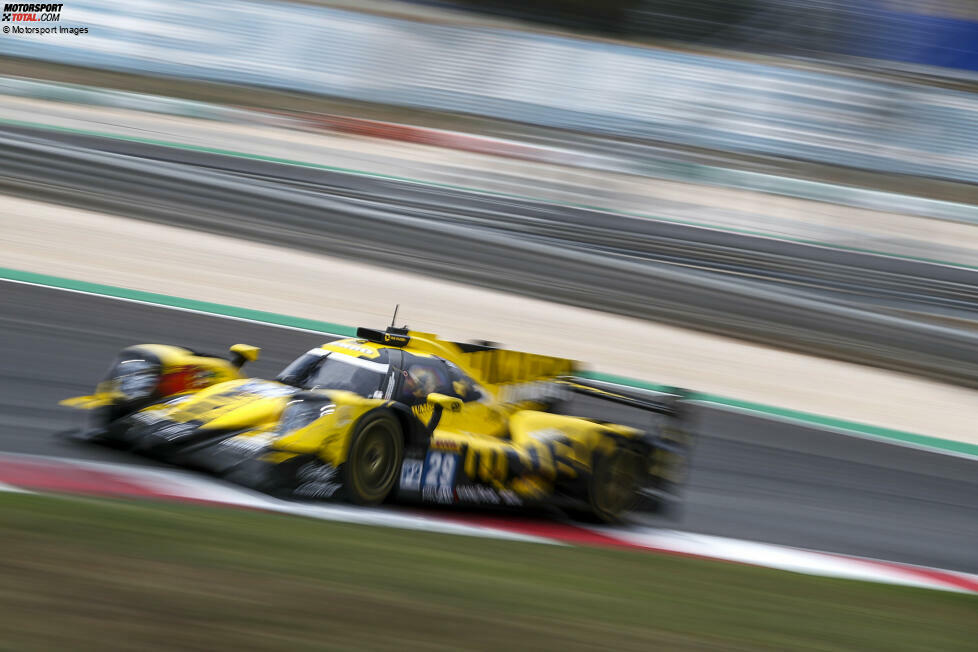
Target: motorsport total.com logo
(29, 13)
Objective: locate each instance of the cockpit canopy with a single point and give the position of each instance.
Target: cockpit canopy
(322, 369)
(385, 373)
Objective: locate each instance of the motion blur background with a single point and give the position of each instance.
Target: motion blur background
(773, 203)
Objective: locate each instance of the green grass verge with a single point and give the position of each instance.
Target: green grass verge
(99, 574)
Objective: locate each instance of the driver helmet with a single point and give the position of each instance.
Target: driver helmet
(420, 381)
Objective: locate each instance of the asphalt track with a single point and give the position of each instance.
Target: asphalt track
(753, 477)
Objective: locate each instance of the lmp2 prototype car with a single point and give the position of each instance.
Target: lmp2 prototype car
(395, 414)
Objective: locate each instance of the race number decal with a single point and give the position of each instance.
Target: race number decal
(438, 481)
(411, 474)
(440, 469)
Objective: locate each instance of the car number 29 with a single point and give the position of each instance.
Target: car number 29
(434, 476)
(439, 471)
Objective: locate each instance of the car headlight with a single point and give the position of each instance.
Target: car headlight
(299, 414)
(136, 379)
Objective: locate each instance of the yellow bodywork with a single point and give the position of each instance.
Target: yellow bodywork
(185, 371)
(508, 442)
(329, 436)
(503, 439)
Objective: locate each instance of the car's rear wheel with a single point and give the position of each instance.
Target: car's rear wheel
(613, 485)
(372, 466)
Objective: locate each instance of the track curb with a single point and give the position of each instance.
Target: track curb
(59, 476)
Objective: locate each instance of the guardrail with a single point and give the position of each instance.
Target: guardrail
(426, 239)
(591, 86)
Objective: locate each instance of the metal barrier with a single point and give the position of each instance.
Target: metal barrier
(585, 85)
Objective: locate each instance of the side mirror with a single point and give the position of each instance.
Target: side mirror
(242, 353)
(450, 403)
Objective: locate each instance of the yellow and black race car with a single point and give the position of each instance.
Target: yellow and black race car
(396, 414)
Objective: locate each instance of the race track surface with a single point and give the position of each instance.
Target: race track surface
(753, 478)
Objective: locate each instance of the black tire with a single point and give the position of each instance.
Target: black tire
(374, 462)
(612, 489)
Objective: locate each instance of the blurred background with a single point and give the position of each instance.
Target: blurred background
(774, 203)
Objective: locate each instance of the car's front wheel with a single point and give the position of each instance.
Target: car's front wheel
(372, 465)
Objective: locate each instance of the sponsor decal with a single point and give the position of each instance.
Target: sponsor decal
(446, 445)
(168, 429)
(317, 489)
(396, 340)
(317, 480)
(317, 472)
(510, 497)
(355, 345)
(482, 495)
(391, 383)
(248, 444)
(146, 418)
(183, 378)
(423, 412)
(440, 495)
(411, 474)
(438, 477)
(176, 430)
(265, 389)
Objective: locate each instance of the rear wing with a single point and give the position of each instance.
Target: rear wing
(669, 432)
(487, 362)
(497, 366)
(670, 404)
(515, 376)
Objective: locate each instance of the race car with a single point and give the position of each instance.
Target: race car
(396, 415)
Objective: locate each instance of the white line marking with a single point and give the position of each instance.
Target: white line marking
(798, 560)
(377, 367)
(12, 489)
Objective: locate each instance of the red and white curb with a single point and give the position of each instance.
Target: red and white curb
(30, 473)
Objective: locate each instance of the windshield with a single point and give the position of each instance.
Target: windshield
(336, 371)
